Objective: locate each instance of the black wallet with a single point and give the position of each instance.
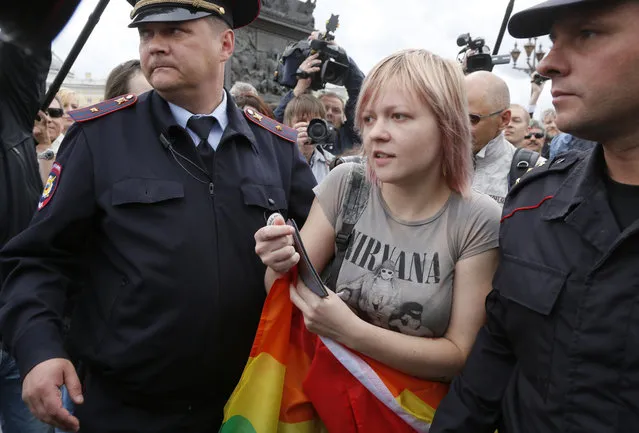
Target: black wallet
(305, 268)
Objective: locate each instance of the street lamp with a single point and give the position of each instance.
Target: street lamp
(533, 53)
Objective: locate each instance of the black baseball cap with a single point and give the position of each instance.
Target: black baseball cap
(236, 13)
(538, 20)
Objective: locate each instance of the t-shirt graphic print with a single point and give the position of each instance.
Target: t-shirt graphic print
(399, 274)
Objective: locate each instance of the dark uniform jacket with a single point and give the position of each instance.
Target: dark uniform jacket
(173, 289)
(22, 79)
(559, 351)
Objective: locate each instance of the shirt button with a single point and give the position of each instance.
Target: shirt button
(271, 202)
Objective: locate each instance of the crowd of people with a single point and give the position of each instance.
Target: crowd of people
(492, 250)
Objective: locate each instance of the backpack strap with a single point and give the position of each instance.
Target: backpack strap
(355, 201)
(523, 160)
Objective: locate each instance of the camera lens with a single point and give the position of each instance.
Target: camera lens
(317, 130)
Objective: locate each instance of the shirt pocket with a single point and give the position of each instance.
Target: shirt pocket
(532, 291)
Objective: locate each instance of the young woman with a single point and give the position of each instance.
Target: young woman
(125, 78)
(411, 290)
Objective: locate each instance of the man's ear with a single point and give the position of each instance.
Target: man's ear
(505, 118)
(227, 38)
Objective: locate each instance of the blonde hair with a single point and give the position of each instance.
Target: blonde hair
(66, 96)
(305, 105)
(440, 84)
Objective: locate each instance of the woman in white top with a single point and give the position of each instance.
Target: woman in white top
(411, 290)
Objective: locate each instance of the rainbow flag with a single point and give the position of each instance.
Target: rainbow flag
(297, 382)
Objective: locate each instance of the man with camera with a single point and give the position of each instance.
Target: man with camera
(306, 114)
(339, 114)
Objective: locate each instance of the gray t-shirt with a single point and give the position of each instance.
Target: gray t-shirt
(399, 274)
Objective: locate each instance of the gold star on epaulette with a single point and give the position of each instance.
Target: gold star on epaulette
(278, 127)
(255, 114)
(94, 110)
(121, 100)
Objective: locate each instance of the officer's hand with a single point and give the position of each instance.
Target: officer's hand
(41, 392)
(310, 65)
(274, 245)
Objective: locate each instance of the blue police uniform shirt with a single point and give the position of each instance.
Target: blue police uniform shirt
(182, 116)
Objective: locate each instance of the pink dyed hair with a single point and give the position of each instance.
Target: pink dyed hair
(440, 84)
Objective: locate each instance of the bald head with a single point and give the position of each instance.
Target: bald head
(486, 86)
(488, 97)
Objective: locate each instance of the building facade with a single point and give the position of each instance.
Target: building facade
(88, 89)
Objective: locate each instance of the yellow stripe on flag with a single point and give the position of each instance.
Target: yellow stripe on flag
(302, 427)
(258, 396)
(416, 406)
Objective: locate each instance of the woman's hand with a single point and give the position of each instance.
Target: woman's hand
(274, 245)
(41, 131)
(327, 317)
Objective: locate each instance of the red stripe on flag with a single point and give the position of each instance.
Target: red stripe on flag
(343, 403)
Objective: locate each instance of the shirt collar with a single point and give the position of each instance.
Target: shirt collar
(183, 115)
(493, 144)
(164, 119)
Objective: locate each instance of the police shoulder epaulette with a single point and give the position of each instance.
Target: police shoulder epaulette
(103, 108)
(271, 125)
(557, 164)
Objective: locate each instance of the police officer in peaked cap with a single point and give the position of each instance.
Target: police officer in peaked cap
(151, 208)
(559, 352)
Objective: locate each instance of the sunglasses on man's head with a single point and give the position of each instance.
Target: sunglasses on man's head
(536, 135)
(55, 112)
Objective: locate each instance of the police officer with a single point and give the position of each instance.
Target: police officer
(152, 204)
(559, 351)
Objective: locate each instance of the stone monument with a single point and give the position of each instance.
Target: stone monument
(258, 46)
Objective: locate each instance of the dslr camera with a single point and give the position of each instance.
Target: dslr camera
(334, 66)
(475, 55)
(322, 133)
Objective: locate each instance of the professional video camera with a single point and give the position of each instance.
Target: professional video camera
(475, 55)
(322, 133)
(333, 68)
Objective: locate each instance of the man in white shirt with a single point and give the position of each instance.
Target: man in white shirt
(489, 107)
(490, 114)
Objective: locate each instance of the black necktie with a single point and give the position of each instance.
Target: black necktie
(202, 127)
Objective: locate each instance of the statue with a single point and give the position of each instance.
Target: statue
(258, 46)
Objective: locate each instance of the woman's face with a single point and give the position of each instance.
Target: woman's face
(71, 104)
(401, 137)
(54, 124)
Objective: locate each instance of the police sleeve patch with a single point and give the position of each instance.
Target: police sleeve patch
(51, 185)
